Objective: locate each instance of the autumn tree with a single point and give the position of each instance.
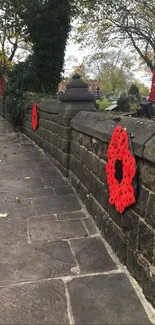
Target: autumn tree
(131, 22)
(112, 69)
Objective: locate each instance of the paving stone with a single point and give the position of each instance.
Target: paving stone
(59, 204)
(71, 215)
(90, 226)
(13, 231)
(15, 209)
(106, 299)
(37, 303)
(40, 172)
(44, 228)
(3, 196)
(92, 255)
(30, 193)
(63, 190)
(52, 181)
(22, 263)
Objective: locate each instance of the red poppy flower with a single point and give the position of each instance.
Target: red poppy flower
(121, 170)
(35, 117)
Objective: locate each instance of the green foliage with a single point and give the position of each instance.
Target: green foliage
(104, 103)
(112, 69)
(134, 90)
(21, 79)
(111, 22)
(123, 103)
(45, 24)
(48, 25)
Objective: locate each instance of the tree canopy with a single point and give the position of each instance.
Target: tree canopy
(131, 22)
(45, 25)
(112, 69)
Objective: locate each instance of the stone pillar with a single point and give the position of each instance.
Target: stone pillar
(54, 131)
(76, 98)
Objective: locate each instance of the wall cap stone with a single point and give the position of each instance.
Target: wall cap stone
(101, 125)
(49, 106)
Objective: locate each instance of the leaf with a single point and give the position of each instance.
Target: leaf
(3, 215)
(27, 177)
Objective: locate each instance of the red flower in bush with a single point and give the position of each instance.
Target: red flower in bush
(121, 170)
(35, 117)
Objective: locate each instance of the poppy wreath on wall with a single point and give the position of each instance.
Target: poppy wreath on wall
(35, 117)
(121, 170)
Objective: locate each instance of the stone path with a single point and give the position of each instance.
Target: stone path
(54, 266)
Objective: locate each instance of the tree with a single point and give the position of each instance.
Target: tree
(82, 70)
(113, 70)
(48, 25)
(130, 22)
(11, 30)
(143, 90)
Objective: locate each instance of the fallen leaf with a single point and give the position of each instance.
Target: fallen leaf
(3, 215)
(27, 177)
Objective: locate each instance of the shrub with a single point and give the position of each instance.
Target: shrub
(123, 102)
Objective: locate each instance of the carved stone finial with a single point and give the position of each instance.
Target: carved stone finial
(76, 91)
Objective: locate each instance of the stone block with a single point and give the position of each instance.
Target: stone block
(133, 265)
(114, 215)
(150, 211)
(63, 132)
(48, 116)
(100, 126)
(49, 106)
(100, 192)
(143, 272)
(56, 153)
(115, 237)
(74, 181)
(98, 213)
(146, 241)
(130, 227)
(142, 200)
(75, 166)
(148, 175)
(149, 150)
(100, 148)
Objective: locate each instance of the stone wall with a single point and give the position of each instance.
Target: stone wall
(132, 234)
(53, 134)
(77, 140)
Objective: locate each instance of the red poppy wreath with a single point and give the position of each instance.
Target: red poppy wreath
(35, 117)
(121, 170)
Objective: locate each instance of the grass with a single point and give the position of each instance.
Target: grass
(105, 103)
